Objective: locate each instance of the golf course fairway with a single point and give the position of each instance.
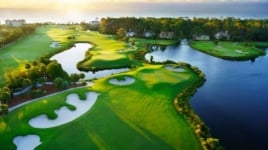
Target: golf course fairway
(140, 115)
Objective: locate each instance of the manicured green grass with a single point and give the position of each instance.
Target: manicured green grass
(32, 47)
(228, 50)
(136, 116)
(259, 44)
(112, 53)
(143, 41)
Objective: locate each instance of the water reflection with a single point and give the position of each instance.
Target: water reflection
(233, 101)
(69, 58)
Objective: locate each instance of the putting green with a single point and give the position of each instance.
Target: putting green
(228, 50)
(136, 116)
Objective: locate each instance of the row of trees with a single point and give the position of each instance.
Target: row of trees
(10, 34)
(5, 96)
(238, 29)
(182, 105)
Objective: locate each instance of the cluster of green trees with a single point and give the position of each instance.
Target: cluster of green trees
(238, 29)
(10, 34)
(5, 96)
(38, 72)
(34, 74)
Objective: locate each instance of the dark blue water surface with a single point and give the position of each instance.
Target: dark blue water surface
(233, 102)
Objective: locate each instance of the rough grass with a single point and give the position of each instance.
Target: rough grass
(228, 50)
(136, 116)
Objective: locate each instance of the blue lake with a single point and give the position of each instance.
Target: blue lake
(233, 101)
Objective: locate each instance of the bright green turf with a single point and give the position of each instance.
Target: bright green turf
(107, 51)
(136, 116)
(153, 41)
(227, 50)
(32, 47)
(38, 44)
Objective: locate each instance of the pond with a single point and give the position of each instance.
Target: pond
(69, 58)
(233, 101)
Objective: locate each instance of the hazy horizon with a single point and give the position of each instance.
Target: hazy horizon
(84, 10)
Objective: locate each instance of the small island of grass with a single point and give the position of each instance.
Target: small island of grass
(228, 50)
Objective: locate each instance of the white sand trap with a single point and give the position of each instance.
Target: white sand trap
(126, 81)
(172, 68)
(65, 115)
(239, 51)
(28, 142)
(54, 45)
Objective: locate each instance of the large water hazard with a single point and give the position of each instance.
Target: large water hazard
(69, 58)
(233, 102)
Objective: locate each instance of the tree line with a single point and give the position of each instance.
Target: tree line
(238, 29)
(10, 34)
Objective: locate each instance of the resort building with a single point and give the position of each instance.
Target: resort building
(130, 34)
(166, 35)
(222, 34)
(95, 23)
(15, 23)
(148, 34)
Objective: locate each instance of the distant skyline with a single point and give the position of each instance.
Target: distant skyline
(85, 10)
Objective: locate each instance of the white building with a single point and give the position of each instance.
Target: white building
(15, 23)
(222, 34)
(148, 34)
(166, 35)
(95, 23)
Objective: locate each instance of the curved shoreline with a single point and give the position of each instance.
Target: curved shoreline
(33, 100)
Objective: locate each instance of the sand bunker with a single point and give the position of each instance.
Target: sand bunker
(28, 142)
(240, 51)
(65, 115)
(172, 68)
(54, 45)
(126, 81)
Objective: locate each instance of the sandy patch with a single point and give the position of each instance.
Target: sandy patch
(126, 81)
(65, 115)
(240, 51)
(28, 142)
(172, 68)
